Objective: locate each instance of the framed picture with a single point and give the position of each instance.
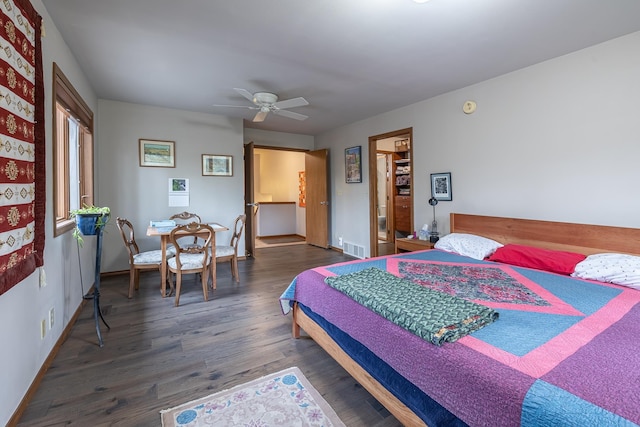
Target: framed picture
(353, 164)
(217, 165)
(441, 186)
(302, 189)
(178, 185)
(160, 154)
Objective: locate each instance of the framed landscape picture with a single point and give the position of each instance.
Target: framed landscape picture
(155, 153)
(217, 165)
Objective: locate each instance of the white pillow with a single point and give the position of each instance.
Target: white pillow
(620, 269)
(470, 245)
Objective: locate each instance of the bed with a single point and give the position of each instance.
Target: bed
(563, 351)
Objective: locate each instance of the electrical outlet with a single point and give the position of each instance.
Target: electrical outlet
(340, 241)
(43, 278)
(51, 318)
(43, 328)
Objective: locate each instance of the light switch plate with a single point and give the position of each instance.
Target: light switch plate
(43, 278)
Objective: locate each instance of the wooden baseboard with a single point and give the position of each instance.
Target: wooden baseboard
(15, 418)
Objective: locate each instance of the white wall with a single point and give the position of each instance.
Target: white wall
(556, 141)
(276, 175)
(276, 219)
(24, 306)
(140, 194)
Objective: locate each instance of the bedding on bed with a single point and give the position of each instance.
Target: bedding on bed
(430, 314)
(470, 245)
(564, 351)
(424, 406)
(561, 262)
(621, 269)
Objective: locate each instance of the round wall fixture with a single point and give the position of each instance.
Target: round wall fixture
(469, 107)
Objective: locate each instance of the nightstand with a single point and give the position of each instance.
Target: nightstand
(410, 245)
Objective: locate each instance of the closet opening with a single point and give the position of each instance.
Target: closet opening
(391, 194)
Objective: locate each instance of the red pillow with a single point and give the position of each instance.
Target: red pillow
(543, 259)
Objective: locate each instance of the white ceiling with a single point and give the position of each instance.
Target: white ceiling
(351, 59)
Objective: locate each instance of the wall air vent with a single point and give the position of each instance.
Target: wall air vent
(352, 249)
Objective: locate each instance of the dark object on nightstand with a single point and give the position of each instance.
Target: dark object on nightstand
(433, 233)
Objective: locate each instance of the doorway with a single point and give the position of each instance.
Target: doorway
(280, 183)
(391, 194)
(278, 217)
(383, 168)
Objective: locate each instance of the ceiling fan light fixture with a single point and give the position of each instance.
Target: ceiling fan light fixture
(267, 102)
(264, 98)
(261, 115)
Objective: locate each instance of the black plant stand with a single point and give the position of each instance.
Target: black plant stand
(97, 313)
(96, 288)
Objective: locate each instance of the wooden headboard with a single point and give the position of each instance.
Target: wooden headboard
(563, 236)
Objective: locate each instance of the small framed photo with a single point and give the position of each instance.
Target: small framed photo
(178, 185)
(441, 186)
(353, 164)
(217, 165)
(160, 154)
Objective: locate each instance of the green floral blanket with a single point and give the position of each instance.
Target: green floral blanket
(432, 315)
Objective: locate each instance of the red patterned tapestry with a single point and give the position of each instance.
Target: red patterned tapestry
(22, 143)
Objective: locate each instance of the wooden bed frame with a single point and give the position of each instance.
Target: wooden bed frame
(562, 236)
(581, 238)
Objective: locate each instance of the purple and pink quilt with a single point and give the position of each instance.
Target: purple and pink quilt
(564, 351)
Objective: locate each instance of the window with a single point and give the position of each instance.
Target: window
(72, 152)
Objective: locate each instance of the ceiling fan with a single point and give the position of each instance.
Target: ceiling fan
(267, 102)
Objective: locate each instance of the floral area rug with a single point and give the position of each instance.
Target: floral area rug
(285, 398)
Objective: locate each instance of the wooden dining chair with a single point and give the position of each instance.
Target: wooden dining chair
(147, 260)
(185, 218)
(229, 252)
(190, 258)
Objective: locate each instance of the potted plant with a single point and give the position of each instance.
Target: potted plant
(89, 220)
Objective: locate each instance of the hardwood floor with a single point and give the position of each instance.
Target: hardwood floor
(157, 356)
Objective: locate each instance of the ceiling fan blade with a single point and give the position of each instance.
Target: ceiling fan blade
(236, 106)
(291, 103)
(290, 114)
(244, 93)
(260, 116)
